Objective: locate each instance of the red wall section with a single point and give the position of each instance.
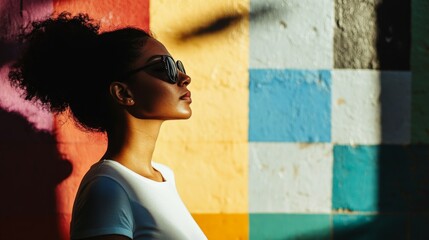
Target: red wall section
(110, 12)
(82, 150)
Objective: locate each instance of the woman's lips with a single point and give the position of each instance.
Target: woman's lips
(186, 96)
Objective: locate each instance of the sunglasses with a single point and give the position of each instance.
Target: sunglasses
(169, 67)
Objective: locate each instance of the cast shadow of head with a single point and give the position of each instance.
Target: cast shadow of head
(30, 170)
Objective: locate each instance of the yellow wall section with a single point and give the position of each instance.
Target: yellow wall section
(224, 226)
(209, 151)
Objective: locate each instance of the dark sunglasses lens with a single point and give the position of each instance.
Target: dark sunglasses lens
(181, 67)
(171, 70)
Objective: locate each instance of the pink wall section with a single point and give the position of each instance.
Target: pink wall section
(42, 157)
(30, 166)
(12, 16)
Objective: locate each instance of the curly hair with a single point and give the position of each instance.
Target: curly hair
(67, 63)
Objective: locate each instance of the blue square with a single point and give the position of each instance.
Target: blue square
(290, 105)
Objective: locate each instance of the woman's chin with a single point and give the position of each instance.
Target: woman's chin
(185, 113)
(186, 116)
(179, 116)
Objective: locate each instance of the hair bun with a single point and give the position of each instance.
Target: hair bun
(57, 58)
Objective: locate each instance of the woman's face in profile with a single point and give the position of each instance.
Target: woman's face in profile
(154, 96)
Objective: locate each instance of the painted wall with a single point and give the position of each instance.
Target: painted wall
(310, 119)
(338, 119)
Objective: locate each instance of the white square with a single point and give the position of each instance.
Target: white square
(371, 107)
(290, 177)
(291, 34)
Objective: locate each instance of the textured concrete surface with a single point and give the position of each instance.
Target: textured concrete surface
(372, 34)
(355, 34)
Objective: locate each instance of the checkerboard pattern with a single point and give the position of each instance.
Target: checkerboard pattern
(338, 120)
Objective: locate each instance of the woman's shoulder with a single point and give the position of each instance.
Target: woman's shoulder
(105, 171)
(103, 168)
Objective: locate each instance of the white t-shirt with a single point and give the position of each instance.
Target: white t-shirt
(113, 199)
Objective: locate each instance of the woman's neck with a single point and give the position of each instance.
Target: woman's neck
(134, 144)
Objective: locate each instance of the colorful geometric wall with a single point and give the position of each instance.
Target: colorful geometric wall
(310, 119)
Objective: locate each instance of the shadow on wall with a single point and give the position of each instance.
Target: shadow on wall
(30, 170)
(30, 165)
(222, 23)
(8, 49)
(403, 184)
(398, 170)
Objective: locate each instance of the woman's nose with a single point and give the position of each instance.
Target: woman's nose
(184, 79)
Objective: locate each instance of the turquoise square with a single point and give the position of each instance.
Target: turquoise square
(381, 178)
(290, 226)
(355, 178)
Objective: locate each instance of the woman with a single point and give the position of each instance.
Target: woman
(124, 83)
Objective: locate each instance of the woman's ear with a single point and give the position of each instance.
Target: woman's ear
(121, 93)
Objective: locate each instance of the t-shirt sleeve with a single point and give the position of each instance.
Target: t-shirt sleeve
(102, 208)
